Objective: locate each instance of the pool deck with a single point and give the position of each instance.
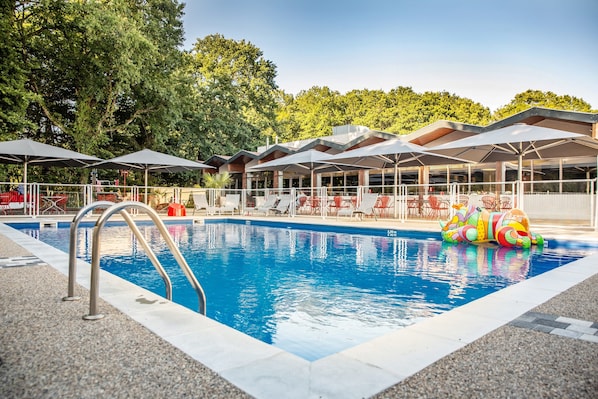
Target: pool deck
(538, 338)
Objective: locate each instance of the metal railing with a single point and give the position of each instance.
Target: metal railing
(123, 208)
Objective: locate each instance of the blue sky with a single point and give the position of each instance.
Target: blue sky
(485, 50)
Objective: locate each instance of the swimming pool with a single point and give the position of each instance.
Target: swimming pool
(310, 290)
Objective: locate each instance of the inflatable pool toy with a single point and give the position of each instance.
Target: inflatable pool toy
(471, 224)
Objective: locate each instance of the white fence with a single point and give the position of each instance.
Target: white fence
(556, 202)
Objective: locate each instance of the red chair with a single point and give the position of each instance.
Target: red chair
(62, 201)
(314, 203)
(414, 206)
(4, 202)
(489, 202)
(438, 208)
(383, 205)
(11, 201)
(337, 204)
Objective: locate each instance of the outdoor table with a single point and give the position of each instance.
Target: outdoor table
(50, 204)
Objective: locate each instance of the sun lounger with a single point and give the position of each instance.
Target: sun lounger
(231, 204)
(283, 205)
(267, 205)
(365, 208)
(200, 202)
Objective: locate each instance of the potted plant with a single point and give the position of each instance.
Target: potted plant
(216, 182)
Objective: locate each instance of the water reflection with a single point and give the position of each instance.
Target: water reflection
(314, 292)
(490, 260)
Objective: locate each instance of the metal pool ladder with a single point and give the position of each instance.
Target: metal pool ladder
(122, 208)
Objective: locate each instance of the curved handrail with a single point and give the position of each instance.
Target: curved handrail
(95, 256)
(73, 246)
(73, 249)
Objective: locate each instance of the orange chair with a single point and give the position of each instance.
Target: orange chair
(4, 202)
(505, 203)
(383, 205)
(414, 206)
(438, 208)
(337, 204)
(489, 202)
(314, 203)
(62, 201)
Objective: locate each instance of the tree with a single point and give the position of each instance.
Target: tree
(218, 180)
(314, 113)
(537, 98)
(101, 72)
(234, 96)
(14, 97)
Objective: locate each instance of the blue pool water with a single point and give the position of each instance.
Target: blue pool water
(311, 290)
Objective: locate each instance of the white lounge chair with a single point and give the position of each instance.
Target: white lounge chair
(365, 208)
(268, 204)
(283, 205)
(200, 202)
(231, 204)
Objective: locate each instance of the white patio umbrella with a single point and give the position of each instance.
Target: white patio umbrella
(29, 152)
(519, 142)
(151, 161)
(304, 162)
(392, 153)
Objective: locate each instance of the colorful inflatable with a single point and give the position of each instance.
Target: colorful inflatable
(474, 225)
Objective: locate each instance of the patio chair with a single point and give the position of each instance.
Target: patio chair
(414, 206)
(489, 202)
(268, 204)
(365, 208)
(11, 201)
(438, 208)
(200, 201)
(505, 203)
(282, 206)
(383, 205)
(4, 202)
(231, 204)
(338, 203)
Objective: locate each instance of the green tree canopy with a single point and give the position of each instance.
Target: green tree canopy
(314, 112)
(14, 98)
(545, 99)
(101, 72)
(234, 96)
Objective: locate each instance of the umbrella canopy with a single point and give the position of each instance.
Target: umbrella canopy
(148, 160)
(29, 152)
(304, 162)
(519, 142)
(393, 153)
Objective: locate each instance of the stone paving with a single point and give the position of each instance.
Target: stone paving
(558, 325)
(18, 261)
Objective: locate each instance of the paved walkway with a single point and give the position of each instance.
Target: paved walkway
(46, 351)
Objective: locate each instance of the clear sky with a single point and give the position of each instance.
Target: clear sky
(485, 50)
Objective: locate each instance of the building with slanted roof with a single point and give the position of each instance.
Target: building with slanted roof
(350, 137)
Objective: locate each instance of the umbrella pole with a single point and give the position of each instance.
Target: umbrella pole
(146, 198)
(520, 180)
(395, 190)
(25, 188)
